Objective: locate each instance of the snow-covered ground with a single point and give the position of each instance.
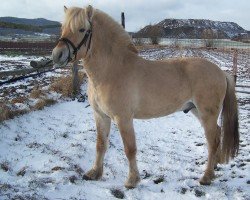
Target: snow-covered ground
(44, 154)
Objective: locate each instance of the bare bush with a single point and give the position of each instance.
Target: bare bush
(154, 34)
(209, 36)
(138, 41)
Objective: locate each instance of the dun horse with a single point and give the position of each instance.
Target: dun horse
(123, 86)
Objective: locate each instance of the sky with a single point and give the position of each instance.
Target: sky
(138, 13)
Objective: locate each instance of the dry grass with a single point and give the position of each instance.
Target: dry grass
(4, 112)
(64, 85)
(44, 102)
(36, 93)
(21, 99)
(7, 113)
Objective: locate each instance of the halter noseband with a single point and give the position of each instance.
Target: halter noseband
(87, 38)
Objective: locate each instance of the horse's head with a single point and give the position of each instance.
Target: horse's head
(76, 35)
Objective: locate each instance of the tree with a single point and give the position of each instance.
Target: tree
(154, 33)
(209, 35)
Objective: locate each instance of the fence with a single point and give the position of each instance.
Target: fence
(237, 53)
(37, 48)
(197, 43)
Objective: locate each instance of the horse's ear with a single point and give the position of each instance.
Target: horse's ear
(89, 12)
(65, 8)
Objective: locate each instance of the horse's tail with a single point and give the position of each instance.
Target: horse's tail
(230, 124)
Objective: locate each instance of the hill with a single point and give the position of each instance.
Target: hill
(13, 26)
(192, 28)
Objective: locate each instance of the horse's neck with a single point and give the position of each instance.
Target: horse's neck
(100, 69)
(105, 52)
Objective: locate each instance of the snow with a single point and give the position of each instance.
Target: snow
(54, 147)
(64, 135)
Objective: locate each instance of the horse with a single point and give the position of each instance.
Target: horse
(122, 86)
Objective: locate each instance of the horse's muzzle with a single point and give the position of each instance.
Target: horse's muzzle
(60, 55)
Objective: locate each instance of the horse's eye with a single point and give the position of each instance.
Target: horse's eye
(82, 30)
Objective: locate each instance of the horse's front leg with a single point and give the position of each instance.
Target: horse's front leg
(128, 136)
(103, 128)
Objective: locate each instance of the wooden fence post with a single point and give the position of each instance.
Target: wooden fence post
(123, 19)
(75, 79)
(235, 55)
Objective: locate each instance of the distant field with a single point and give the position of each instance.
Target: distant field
(217, 43)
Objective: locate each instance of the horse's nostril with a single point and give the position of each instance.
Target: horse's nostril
(60, 55)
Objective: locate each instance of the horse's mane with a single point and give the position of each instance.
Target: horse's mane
(114, 31)
(76, 18)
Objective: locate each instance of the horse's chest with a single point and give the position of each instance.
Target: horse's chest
(100, 102)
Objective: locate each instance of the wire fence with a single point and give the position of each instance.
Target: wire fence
(196, 43)
(223, 52)
(36, 48)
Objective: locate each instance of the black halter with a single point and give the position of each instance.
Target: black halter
(87, 38)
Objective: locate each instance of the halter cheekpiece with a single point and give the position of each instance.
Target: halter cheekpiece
(86, 41)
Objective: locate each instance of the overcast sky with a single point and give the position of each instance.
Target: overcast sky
(138, 13)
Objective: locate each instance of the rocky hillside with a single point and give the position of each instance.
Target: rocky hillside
(13, 26)
(192, 28)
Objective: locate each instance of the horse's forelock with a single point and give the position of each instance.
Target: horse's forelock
(75, 19)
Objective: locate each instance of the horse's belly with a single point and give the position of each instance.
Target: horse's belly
(159, 109)
(154, 114)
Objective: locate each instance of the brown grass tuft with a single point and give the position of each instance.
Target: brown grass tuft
(44, 102)
(5, 112)
(64, 85)
(36, 93)
(21, 99)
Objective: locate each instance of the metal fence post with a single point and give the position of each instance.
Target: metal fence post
(235, 55)
(123, 19)
(75, 79)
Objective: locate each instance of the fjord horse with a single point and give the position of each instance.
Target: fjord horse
(123, 86)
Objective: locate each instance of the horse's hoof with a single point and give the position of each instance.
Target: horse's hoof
(85, 177)
(132, 182)
(130, 187)
(92, 175)
(205, 181)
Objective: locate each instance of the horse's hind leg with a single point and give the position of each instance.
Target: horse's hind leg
(217, 154)
(103, 128)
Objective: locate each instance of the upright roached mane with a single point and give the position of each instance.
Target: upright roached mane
(123, 86)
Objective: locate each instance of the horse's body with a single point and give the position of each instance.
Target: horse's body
(123, 86)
